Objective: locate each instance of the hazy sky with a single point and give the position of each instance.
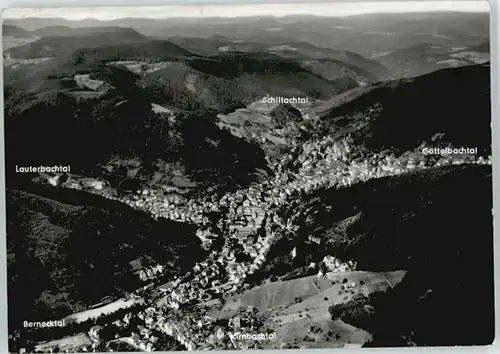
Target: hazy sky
(319, 9)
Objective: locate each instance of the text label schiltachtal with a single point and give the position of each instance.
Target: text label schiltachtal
(289, 100)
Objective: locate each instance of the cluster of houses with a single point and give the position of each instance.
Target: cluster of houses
(330, 163)
(196, 331)
(173, 207)
(219, 273)
(150, 272)
(248, 224)
(332, 264)
(245, 216)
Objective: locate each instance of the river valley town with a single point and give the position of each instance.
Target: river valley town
(235, 177)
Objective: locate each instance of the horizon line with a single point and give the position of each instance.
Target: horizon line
(249, 16)
(320, 9)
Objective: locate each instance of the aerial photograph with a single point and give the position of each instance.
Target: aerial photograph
(242, 177)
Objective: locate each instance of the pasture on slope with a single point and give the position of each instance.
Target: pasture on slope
(291, 307)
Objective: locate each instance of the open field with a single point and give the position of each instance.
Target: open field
(283, 294)
(291, 308)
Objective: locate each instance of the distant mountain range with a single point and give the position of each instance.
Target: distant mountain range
(254, 68)
(52, 45)
(15, 31)
(364, 48)
(424, 58)
(364, 34)
(221, 73)
(324, 59)
(235, 63)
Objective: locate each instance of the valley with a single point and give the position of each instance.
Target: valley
(195, 212)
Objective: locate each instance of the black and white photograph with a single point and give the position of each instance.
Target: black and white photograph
(253, 176)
